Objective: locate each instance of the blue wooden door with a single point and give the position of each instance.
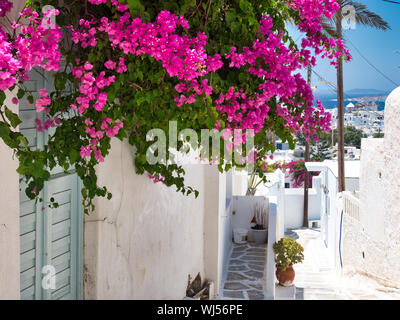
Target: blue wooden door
(51, 238)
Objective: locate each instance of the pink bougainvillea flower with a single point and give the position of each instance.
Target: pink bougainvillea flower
(110, 65)
(5, 6)
(85, 151)
(268, 59)
(88, 66)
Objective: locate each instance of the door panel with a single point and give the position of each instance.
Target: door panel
(49, 236)
(62, 223)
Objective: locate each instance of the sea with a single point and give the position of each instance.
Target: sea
(329, 101)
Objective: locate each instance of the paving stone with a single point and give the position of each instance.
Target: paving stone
(238, 268)
(253, 258)
(245, 270)
(236, 262)
(236, 276)
(257, 245)
(259, 263)
(254, 274)
(256, 254)
(255, 294)
(251, 250)
(239, 248)
(257, 286)
(237, 254)
(235, 286)
(234, 294)
(256, 267)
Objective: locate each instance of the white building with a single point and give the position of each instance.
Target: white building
(329, 218)
(371, 237)
(367, 118)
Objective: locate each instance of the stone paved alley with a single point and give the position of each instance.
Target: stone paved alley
(315, 279)
(244, 279)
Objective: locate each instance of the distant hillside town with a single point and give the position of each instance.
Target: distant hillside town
(364, 116)
(361, 120)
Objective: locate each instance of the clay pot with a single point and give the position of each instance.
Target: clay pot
(285, 277)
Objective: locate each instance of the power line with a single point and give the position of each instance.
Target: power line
(371, 64)
(331, 85)
(391, 1)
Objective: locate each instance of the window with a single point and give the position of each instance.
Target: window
(287, 185)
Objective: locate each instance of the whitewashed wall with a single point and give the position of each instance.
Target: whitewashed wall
(243, 211)
(9, 219)
(9, 199)
(225, 226)
(145, 242)
(364, 239)
(217, 224)
(291, 202)
(391, 184)
(294, 204)
(239, 182)
(372, 193)
(361, 251)
(371, 243)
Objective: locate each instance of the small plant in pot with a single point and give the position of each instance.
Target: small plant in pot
(259, 229)
(287, 253)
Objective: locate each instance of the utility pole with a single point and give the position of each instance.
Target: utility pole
(340, 106)
(306, 159)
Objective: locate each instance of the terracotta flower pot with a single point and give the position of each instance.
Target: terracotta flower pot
(285, 277)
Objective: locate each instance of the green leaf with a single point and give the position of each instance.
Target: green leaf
(210, 123)
(12, 117)
(2, 97)
(73, 155)
(244, 5)
(20, 94)
(135, 6)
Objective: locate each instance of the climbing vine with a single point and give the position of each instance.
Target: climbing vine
(123, 68)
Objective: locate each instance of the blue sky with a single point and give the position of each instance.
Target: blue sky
(379, 47)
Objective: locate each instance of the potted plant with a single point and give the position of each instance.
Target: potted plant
(258, 176)
(259, 229)
(253, 183)
(287, 253)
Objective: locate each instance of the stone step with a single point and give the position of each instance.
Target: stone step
(285, 293)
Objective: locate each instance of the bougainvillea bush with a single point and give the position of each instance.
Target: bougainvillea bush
(122, 68)
(297, 172)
